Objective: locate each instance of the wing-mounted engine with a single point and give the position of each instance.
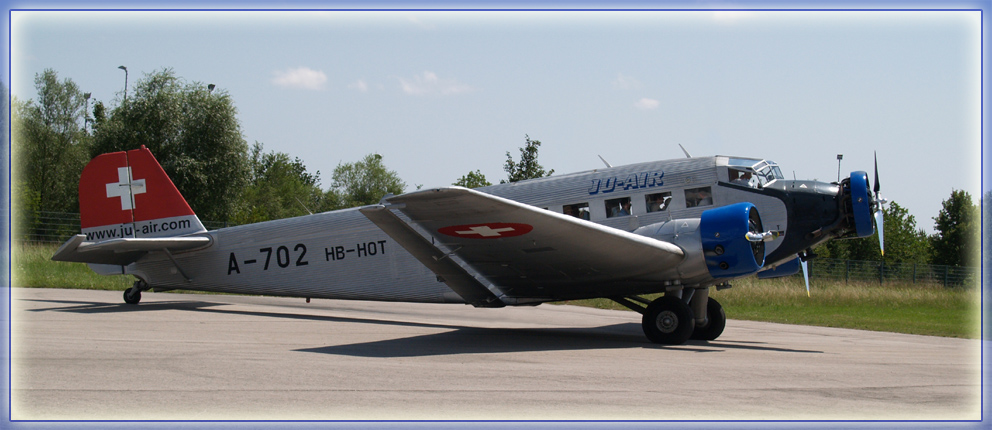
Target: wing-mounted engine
(725, 242)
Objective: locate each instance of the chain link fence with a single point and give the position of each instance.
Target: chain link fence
(57, 227)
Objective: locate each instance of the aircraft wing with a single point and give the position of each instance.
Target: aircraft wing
(522, 250)
(123, 251)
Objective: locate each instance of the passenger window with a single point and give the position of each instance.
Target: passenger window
(578, 210)
(698, 197)
(657, 202)
(618, 207)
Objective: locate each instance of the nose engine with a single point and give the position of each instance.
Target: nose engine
(858, 205)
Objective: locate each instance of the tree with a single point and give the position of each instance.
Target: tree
(957, 226)
(194, 134)
(50, 143)
(362, 183)
(278, 188)
(473, 180)
(528, 167)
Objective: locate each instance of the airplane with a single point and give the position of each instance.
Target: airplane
(677, 227)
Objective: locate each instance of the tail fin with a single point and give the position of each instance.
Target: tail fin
(128, 195)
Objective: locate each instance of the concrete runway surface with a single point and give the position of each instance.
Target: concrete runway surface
(85, 355)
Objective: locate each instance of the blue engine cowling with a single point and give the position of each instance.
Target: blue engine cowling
(727, 251)
(715, 244)
(861, 204)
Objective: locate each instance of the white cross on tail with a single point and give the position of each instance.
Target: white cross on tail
(125, 188)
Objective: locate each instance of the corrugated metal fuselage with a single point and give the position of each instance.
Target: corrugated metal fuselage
(342, 255)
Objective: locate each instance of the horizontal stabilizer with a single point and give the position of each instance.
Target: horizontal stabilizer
(123, 251)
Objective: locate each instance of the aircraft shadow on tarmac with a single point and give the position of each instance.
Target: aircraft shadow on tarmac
(453, 341)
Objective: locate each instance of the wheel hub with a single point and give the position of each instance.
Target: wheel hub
(667, 321)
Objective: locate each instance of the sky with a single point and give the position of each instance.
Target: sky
(439, 94)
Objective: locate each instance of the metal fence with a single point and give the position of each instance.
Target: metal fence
(880, 272)
(57, 227)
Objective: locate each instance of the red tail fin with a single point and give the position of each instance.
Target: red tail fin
(127, 194)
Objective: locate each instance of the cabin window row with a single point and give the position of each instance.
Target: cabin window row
(656, 202)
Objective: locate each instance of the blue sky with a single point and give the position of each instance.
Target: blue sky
(440, 94)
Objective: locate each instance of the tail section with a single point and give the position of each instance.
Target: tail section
(128, 195)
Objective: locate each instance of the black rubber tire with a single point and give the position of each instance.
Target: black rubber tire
(716, 322)
(132, 296)
(668, 320)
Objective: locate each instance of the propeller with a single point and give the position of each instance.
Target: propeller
(879, 216)
(805, 265)
(804, 262)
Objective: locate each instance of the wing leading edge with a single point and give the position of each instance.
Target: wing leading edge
(521, 250)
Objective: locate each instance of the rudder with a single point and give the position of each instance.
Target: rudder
(127, 194)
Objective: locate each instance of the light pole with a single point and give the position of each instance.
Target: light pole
(839, 157)
(125, 81)
(86, 112)
(210, 88)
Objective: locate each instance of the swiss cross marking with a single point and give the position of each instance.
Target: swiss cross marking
(493, 230)
(125, 188)
(485, 231)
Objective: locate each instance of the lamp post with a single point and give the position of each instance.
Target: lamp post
(86, 112)
(839, 157)
(210, 88)
(125, 81)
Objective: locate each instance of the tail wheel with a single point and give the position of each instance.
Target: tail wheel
(132, 296)
(716, 320)
(668, 320)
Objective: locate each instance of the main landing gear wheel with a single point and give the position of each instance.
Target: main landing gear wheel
(668, 320)
(716, 320)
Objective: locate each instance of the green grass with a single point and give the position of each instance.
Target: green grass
(901, 308)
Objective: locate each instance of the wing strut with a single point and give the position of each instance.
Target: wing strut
(454, 275)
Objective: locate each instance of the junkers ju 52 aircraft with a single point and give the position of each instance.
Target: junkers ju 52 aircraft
(677, 227)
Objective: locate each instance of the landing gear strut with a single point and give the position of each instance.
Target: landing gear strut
(133, 295)
(716, 320)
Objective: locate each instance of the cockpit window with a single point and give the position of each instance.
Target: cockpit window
(755, 173)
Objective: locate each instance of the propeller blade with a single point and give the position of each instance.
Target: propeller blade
(879, 219)
(805, 264)
(877, 187)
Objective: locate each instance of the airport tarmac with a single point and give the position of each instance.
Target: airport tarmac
(85, 355)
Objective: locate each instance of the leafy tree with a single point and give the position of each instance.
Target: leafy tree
(50, 143)
(473, 180)
(194, 134)
(362, 183)
(527, 167)
(278, 188)
(957, 226)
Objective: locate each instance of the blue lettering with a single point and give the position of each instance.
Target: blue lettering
(594, 188)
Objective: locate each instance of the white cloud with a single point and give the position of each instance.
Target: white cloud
(624, 82)
(301, 78)
(646, 104)
(430, 83)
(359, 85)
